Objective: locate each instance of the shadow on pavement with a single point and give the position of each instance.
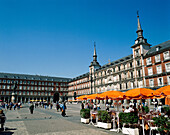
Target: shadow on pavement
(6, 132)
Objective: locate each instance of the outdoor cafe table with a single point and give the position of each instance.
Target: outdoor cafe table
(95, 114)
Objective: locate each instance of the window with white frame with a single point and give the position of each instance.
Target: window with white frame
(131, 84)
(167, 67)
(8, 87)
(137, 52)
(150, 72)
(148, 61)
(160, 81)
(166, 55)
(157, 58)
(114, 78)
(159, 69)
(151, 82)
(138, 62)
(168, 80)
(125, 75)
(140, 84)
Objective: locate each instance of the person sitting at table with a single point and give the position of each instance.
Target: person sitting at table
(98, 106)
(159, 107)
(123, 108)
(127, 109)
(146, 127)
(87, 106)
(94, 107)
(131, 109)
(107, 107)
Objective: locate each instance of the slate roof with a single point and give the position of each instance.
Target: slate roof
(129, 57)
(162, 47)
(33, 77)
(81, 76)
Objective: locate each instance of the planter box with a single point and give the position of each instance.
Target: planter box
(130, 131)
(86, 121)
(104, 125)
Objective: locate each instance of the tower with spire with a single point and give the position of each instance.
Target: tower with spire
(94, 64)
(140, 48)
(140, 43)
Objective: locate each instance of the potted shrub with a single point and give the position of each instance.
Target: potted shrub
(146, 108)
(129, 121)
(99, 115)
(104, 119)
(85, 115)
(163, 124)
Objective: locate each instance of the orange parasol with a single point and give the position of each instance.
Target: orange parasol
(157, 97)
(144, 92)
(116, 95)
(167, 100)
(93, 96)
(83, 97)
(165, 90)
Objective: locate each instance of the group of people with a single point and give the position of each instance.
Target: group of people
(93, 106)
(44, 105)
(11, 105)
(59, 106)
(62, 107)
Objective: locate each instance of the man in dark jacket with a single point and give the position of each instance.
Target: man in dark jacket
(31, 109)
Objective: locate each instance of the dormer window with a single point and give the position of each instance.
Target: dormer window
(157, 48)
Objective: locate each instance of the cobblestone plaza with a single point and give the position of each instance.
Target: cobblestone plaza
(49, 122)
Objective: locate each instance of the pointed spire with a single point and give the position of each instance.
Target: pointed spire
(140, 39)
(94, 63)
(95, 54)
(139, 29)
(139, 26)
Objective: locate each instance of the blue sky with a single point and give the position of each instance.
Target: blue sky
(56, 37)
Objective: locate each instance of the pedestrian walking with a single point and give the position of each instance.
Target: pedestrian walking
(14, 106)
(64, 109)
(82, 105)
(51, 105)
(57, 106)
(31, 108)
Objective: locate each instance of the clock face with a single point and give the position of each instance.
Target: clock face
(136, 41)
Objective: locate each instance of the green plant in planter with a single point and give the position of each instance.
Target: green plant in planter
(163, 124)
(128, 118)
(99, 115)
(85, 113)
(146, 109)
(105, 117)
